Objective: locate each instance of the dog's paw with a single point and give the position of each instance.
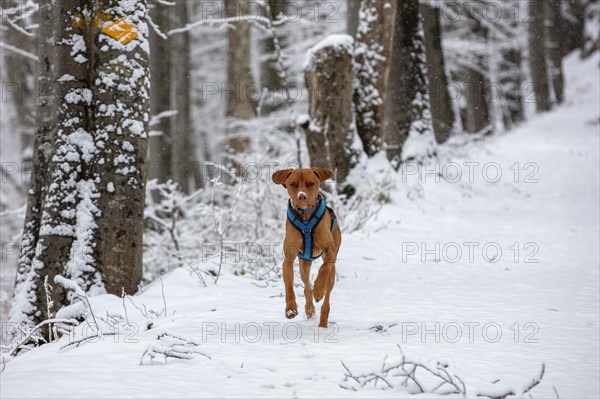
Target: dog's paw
(318, 291)
(291, 313)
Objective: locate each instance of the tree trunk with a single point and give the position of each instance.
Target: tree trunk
(330, 132)
(408, 128)
(442, 110)
(271, 78)
(573, 30)
(121, 127)
(373, 56)
(92, 214)
(353, 15)
(591, 38)
(239, 99)
(537, 55)
(511, 82)
(159, 155)
(183, 157)
(26, 300)
(55, 250)
(554, 48)
(478, 111)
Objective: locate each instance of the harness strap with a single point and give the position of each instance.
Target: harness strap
(306, 227)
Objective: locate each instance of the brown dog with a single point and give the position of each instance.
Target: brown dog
(303, 187)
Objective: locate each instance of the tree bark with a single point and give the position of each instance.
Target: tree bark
(537, 55)
(573, 31)
(408, 128)
(120, 128)
(26, 300)
(478, 111)
(442, 110)
(271, 78)
(330, 132)
(511, 83)
(55, 250)
(240, 84)
(554, 48)
(183, 158)
(159, 155)
(373, 55)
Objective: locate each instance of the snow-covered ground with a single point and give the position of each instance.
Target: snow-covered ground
(541, 293)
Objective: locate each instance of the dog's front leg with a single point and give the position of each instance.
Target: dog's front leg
(291, 309)
(309, 308)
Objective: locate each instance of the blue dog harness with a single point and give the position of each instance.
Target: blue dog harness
(306, 227)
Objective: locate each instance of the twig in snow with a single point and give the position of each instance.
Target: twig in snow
(49, 304)
(72, 322)
(170, 345)
(162, 288)
(124, 307)
(192, 268)
(407, 371)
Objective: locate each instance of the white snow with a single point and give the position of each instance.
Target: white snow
(337, 42)
(493, 315)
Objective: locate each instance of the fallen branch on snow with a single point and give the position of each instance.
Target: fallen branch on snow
(170, 345)
(403, 373)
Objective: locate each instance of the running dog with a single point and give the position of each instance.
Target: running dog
(310, 231)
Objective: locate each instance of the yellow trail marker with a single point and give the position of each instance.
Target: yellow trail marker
(121, 30)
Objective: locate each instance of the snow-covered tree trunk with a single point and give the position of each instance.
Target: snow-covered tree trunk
(240, 83)
(330, 131)
(42, 141)
(159, 155)
(183, 159)
(408, 128)
(72, 150)
(27, 301)
(511, 82)
(537, 55)
(373, 55)
(554, 27)
(442, 110)
(121, 91)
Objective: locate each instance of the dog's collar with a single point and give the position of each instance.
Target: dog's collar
(312, 208)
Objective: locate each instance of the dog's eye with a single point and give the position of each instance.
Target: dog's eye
(294, 184)
(310, 184)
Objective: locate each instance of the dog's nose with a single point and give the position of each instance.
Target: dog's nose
(302, 196)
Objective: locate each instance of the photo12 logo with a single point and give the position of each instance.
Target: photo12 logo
(267, 332)
(471, 172)
(471, 252)
(470, 331)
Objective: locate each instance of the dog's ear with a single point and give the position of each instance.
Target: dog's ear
(323, 174)
(281, 176)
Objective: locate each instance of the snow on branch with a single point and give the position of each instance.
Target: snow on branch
(156, 28)
(258, 21)
(418, 377)
(16, 50)
(29, 336)
(170, 345)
